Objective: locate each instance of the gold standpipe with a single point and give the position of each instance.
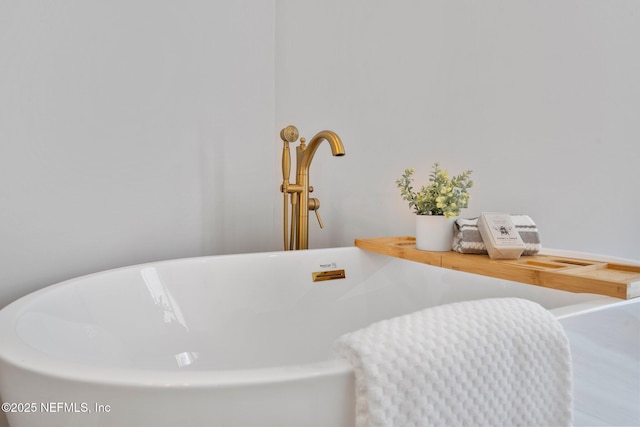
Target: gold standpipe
(301, 204)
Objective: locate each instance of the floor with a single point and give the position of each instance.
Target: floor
(605, 348)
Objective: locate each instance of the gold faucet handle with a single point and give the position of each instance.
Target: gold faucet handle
(319, 220)
(314, 205)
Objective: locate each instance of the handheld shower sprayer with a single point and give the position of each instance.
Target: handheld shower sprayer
(288, 134)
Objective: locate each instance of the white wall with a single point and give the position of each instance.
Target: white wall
(131, 132)
(541, 99)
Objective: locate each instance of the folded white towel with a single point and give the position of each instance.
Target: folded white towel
(492, 362)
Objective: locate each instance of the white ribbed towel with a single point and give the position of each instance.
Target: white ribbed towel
(491, 362)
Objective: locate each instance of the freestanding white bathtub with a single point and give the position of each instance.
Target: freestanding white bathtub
(240, 340)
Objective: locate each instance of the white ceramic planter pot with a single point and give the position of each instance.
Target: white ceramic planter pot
(434, 232)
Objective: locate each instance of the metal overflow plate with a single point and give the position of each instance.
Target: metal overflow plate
(319, 276)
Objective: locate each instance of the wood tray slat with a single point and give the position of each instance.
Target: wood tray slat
(567, 274)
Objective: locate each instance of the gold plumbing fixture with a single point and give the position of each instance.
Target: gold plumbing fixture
(301, 203)
(321, 276)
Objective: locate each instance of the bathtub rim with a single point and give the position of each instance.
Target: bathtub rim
(47, 365)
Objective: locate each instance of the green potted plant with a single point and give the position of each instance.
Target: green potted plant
(436, 205)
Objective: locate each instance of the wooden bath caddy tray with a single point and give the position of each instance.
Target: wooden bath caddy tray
(567, 274)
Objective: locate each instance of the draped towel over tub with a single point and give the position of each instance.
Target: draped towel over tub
(502, 361)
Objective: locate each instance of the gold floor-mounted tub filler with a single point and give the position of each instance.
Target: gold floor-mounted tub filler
(301, 204)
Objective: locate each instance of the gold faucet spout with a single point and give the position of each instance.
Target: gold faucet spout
(337, 148)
